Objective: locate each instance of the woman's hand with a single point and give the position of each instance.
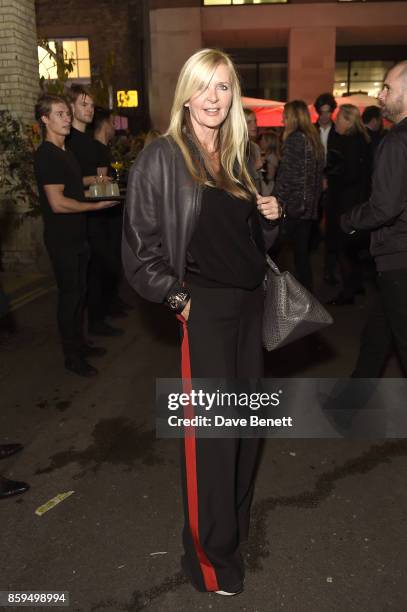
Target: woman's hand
(269, 207)
(185, 312)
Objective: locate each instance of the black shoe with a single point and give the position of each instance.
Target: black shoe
(104, 329)
(8, 488)
(6, 450)
(79, 366)
(341, 300)
(93, 351)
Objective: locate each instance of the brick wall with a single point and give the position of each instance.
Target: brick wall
(20, 238)
(18, 57)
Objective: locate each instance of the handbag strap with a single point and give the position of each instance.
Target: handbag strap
(272, 265)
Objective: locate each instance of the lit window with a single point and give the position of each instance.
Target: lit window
(264, 80)
(236, 2)
(47, 64)
(127, 98)
(360, 77)
(74, 49)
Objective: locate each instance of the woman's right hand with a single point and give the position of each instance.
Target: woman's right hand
(185, 312)
(269, 207)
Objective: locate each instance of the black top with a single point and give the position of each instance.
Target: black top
(84, 148)
(91, 155)
(222, 245)
(349, 171)
(103, 154)
(55, 166)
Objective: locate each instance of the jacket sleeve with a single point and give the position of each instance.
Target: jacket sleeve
(270, 229)
(145, 264)
(289, 185)
(389, 189)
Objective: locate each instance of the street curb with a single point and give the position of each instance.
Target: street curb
(29, 292)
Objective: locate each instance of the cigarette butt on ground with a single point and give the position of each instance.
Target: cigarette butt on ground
(51, 503)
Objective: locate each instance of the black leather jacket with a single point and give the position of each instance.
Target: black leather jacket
(385, 213)
(162, 206)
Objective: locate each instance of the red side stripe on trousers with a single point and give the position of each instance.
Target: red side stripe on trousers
(208, 571)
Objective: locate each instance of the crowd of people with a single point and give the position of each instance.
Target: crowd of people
(318, 172)
(205, 204)
(83, 238)
(194, 241)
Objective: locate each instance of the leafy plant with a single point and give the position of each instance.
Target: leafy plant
(64, 65)
(18, 191)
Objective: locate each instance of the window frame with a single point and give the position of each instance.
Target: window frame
(231, 3)
(59, 41)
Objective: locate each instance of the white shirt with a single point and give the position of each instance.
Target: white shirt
(324, 133)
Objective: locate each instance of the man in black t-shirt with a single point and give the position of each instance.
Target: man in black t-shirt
(84, 147)
(103, 132)
(65, 227)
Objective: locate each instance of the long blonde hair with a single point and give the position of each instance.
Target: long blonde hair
(297, 117)
(232, 145)
(352, 114)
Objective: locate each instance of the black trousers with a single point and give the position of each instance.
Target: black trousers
(386, 326)
(349, 248)
(224, 335)
(332, 230)
(298, 233)
(105, 264)
(70, 268)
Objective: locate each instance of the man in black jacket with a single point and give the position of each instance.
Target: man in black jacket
(325, 106)
(385, 214)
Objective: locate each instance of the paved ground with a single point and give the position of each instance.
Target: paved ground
(329, 517)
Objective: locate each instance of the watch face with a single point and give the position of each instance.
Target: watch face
(175, 301)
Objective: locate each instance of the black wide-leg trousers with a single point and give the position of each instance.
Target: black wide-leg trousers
(222, 338)
(70, 266)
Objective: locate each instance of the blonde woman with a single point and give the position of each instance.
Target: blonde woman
(349, 175)
(298, 185)
(193, 240)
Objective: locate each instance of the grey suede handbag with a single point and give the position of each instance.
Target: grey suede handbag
(290, 310)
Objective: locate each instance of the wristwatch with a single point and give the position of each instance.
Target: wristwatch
(178, 300)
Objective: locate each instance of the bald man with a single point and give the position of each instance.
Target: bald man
(385, 215)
